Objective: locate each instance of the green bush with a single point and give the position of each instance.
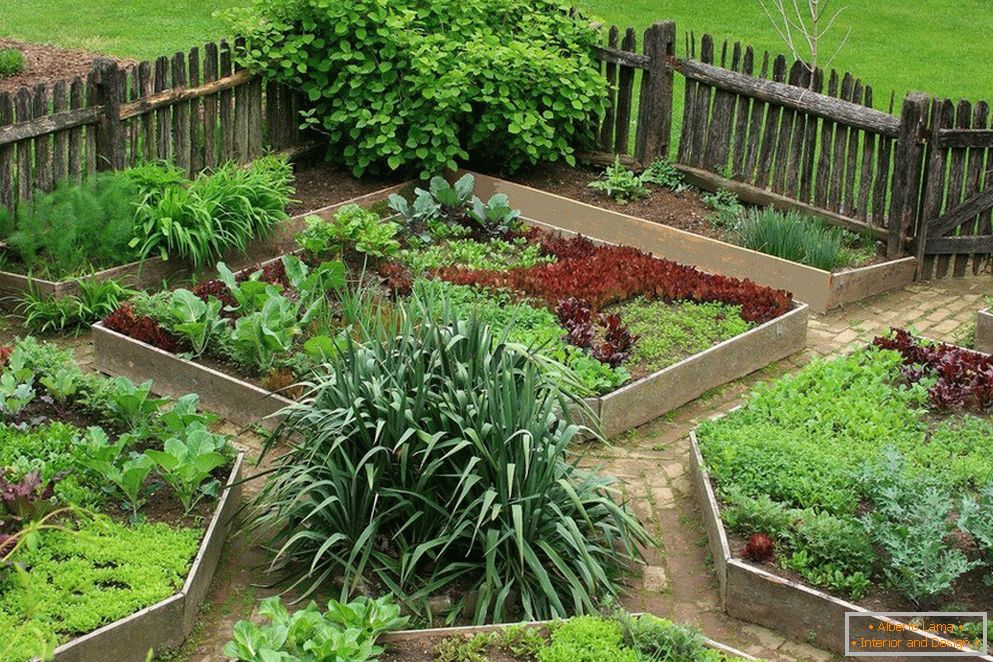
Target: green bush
(409, 85)
(431, 457)
(352, 228)
(588, 639)
(11, 62)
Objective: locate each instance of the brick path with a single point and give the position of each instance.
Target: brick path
(653, 460)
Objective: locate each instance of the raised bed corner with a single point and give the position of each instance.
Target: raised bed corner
(168, 623)
(752, 594)
(984, 331)
(648, 398)
(819, 289)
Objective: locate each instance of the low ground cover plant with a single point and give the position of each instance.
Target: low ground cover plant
(568, 299)
(510, 82)
(114, 218)
(82, 541)
(867, 470)
(614, 636)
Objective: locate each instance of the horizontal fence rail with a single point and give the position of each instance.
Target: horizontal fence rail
(196, 109)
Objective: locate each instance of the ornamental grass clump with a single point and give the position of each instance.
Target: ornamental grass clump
(432, 457)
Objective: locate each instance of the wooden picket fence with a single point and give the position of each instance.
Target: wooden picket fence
(195, 109)
(761, 124)
(775, 132)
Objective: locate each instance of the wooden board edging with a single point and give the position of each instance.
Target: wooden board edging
(151, 272)
(471, 630)
(984, 331)
(167, 623)
(790, 608)
(819, 289)
(236, 400)
(646, 399)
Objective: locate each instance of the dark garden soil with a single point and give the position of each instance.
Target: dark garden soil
(46, 64)
(684, 211)
(321, 184)
(422, 650)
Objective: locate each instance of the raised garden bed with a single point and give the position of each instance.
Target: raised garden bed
(793, 524)
(99, 513)
(984, 331)
(150, 273)
(821, 290)
(424, 645)
(643, 391)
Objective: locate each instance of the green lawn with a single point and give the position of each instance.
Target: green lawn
(136, 29)
(935, 46)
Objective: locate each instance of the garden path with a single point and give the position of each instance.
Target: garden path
(652, 461)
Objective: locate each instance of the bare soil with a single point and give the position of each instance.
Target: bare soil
(684, 211)
(45, 64)
(321, 184)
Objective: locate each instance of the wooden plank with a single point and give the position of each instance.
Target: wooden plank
(132, 128)
(180, 117)
(147, 126)
(956, 182)
(822, 184)
(109, 91)
(196, 117)
(848, 202)
(787, 119)
(654, 125)
(623, 58)
(75, 152)
(979, 138)
(210, 63)
(794, 153)
(838, 150)
(255, 142)
(46, 123)
(973, 181)
(241, 100)
(769, 136)
(7, 155)
(183, 94)
(163, 114)
(985, 225)
(625, 92)
(60, 142)
(742, 113)
(718, 134)
(43, 143)
(810, 151)
(866, 173)
(947, 247)
(755, 124)
(24, 111)
(610, 73)
(686, 154)
(973, 206)
(840, 111)
(907, 173)
(942, 115)
(701, 108)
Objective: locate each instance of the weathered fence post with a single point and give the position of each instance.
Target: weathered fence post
(106, 89)
(907, 164)
(654, 129)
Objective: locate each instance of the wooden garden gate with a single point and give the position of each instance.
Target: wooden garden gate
(956, 231)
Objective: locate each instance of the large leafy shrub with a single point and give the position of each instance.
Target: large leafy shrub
(414, 84)
(432, 457)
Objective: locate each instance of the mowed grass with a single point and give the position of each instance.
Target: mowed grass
(134, 29)
(939, 47)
